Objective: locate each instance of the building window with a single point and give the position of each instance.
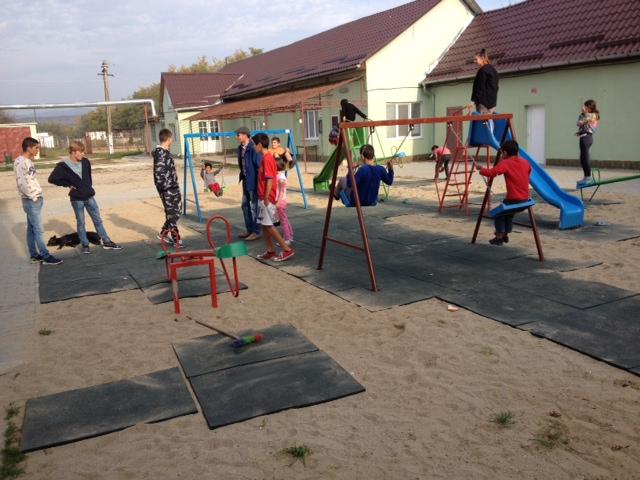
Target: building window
(214, 127)
(311, 124)
(335, 120)
(255, 125)
(202, 128)
(403, 111)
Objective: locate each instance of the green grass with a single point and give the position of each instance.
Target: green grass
(45, 332)
(298, 452)
(12, 457)
(504, 419)
(552, 436)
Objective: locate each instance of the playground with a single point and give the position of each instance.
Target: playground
(443, 348)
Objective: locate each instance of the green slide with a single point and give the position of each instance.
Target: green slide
(322, 181)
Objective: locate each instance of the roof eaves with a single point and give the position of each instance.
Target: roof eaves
(266, 88)
(473, 6)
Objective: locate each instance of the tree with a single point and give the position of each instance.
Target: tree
(202, 64)
(6, 117)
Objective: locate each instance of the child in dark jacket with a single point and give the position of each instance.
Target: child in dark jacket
(75, 173)
(165, 178)
(368, 178)
(516, 173)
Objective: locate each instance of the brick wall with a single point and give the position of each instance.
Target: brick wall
(11, 140)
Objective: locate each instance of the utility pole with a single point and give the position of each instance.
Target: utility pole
(105, 79)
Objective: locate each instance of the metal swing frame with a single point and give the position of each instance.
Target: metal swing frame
(345, 148)
(189, 169)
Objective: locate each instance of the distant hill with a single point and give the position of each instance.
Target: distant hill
(48, 117)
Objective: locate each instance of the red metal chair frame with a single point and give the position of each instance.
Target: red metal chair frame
(175, 260)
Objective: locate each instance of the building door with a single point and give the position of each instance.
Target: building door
(216, 143)
(535, 133)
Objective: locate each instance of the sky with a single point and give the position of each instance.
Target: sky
(51, 51)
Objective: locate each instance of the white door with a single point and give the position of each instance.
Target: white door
(216, 143)
(535, 133)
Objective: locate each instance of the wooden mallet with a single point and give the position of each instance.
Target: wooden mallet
(237, 341)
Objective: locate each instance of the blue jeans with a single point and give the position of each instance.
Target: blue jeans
(250, 210)
(35, 232)
(94, 212)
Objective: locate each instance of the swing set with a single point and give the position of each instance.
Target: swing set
(190, 171)
(344, 148)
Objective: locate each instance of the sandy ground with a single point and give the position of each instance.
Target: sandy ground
(434, 379)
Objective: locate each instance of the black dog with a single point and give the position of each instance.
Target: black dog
(72, 240)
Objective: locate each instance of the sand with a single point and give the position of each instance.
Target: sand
(434, 378)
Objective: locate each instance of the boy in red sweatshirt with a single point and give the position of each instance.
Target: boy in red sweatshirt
(516, 173)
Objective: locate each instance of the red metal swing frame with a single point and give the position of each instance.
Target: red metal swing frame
(344, 149)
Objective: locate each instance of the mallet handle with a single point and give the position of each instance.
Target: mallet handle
(222, 332)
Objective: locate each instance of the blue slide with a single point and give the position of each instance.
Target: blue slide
(571, 208)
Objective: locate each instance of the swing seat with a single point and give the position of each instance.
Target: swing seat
(511, 208)
(346, 201)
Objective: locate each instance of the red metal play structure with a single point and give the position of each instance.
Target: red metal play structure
(176, 259)
(464, 168)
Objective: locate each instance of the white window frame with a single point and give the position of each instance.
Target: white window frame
(255, 125)
(311, 125)
(409, 105)
(203, 129)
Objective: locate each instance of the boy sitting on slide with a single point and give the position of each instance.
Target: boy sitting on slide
(368, 178)
(516, 173)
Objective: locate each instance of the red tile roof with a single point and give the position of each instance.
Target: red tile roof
(195, 89)
(539, 34)
(280, 102)
(337, 50)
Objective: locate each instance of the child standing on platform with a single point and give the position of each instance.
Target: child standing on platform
(281, 198)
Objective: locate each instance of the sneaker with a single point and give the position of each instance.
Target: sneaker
(252, 237)
(505, 239)
(109, 245)
(496, 241)
(51, 260)
(267, 255)
(167, 239)
(289, 242)
(244, 235)
(284, 256)
(86, 250)
(36, 259)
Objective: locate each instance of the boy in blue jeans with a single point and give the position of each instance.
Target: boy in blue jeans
(368, 178)
(32, 201)
(75, 173)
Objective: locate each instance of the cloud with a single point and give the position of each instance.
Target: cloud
(61, 43)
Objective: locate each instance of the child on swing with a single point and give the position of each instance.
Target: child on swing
(209, 178)
(516, 173)
(283, 164)
(368, 178)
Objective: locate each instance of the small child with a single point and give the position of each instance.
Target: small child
(516, 173)
(284, 163)
(267, 192)
(209, 178)
(442, 156)
(368, 178)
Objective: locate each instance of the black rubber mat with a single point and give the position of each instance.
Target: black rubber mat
(198, 287)
(238, 394)
(89, 412)
(212, 353)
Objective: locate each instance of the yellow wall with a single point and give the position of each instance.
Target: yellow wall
(395, 72)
